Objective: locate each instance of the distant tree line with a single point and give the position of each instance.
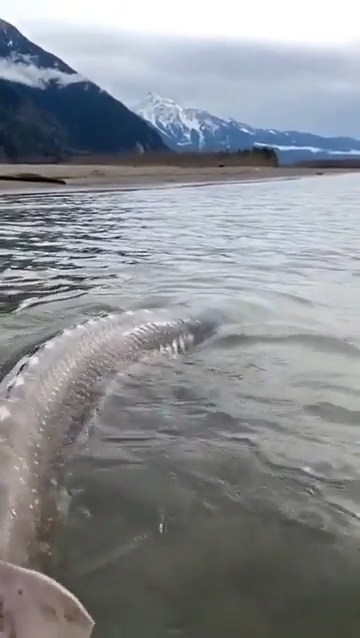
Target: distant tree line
(257, 156)
(264, 154)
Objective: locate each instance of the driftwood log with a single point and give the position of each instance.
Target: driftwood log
(32, 177)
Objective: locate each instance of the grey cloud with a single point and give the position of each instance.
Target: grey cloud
(277, 86)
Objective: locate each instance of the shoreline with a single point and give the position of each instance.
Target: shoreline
(91, 177)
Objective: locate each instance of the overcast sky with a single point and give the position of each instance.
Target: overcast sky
(275, 64)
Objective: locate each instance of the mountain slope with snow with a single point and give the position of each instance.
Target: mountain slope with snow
(48, 109)
(190, 129)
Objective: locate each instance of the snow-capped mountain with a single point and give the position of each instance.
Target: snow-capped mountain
(191, 129)
(47, 108)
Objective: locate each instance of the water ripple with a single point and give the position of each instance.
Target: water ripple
(246, 454)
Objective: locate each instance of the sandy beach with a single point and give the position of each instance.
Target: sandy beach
(90, 176)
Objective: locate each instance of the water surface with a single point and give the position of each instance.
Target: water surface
(220, 494)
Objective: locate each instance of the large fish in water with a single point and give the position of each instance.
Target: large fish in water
(45, 402)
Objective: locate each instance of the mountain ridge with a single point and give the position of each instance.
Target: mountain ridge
(49, 110)
(194, 129)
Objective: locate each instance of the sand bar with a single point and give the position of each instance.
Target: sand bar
(83, 177)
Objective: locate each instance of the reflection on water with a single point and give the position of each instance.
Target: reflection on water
(220, 494)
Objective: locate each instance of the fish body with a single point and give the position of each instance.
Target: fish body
(46, 401)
